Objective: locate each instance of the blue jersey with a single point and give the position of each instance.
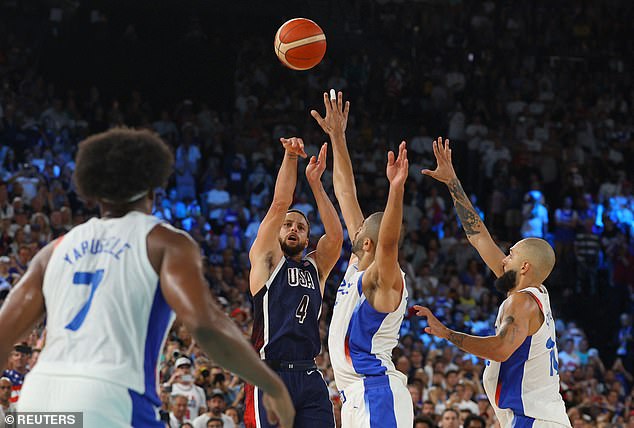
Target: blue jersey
(286, 312)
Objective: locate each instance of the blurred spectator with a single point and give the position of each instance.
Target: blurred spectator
(449, 419)
(6, 405)
(17, 369)
(178, 412)
(535, 214)
(625, 350)
(182, 383)
(216, 405)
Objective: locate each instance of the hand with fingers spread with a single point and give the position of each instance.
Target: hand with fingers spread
(317, 165)
(444, 171)
(397, 169)
(336, 118)
(294, 146)
(434, 326)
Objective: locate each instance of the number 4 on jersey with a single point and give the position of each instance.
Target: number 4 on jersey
(302, 309)
(85, 278)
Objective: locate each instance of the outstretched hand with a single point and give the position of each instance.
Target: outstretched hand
(317, 165)
(294, 146)
(444, 171)
(397, 169)
(336, 118)
(434, 326)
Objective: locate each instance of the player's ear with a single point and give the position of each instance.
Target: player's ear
(368, 245)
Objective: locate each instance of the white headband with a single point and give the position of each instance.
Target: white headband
(132, 198)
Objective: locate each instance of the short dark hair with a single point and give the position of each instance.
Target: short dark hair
(450, 409)
(116, 165)
(424, 420)
(473, 417)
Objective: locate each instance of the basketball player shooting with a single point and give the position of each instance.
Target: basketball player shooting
(521, 378)
(288, 288)
(372, 299)
(109, 289)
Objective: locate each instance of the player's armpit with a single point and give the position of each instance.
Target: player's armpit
(386, 292)
(266, 251)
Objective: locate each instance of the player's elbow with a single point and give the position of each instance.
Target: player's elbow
(344, 192)
(204, 333)
(281, 203)
(206, 327)
(335, 236)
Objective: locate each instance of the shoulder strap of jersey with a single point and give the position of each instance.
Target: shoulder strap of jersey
(533, 293)
(277, 269)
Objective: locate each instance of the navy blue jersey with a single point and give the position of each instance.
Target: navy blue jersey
(286, 312)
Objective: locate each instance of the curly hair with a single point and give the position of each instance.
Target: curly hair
(119, 164)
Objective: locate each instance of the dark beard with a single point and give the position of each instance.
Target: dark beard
(506, 282)
(357, 248)
(291, 251)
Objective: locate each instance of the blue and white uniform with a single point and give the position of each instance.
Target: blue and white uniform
(361, 340)
(524, 390)
(107, 321)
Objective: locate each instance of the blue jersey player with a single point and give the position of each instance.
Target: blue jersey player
(287, 289)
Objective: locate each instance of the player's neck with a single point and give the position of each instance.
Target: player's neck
(296, 257)
(524, 283)
(117, 211)
(365, 261)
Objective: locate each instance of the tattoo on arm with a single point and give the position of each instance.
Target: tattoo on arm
(456, 338)
(509, 329)
(468, 216)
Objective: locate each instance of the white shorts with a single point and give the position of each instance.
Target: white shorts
(377, 402)
(507, 420)
(103, 404)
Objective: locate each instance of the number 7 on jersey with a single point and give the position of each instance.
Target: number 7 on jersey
(85, 278)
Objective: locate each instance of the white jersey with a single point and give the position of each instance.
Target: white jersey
(526, 386)
(106, 315)
(361, 339)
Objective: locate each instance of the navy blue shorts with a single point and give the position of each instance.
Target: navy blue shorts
(310, 396)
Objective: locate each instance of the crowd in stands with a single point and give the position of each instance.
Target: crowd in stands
(543, 143)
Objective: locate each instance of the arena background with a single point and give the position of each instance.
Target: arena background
(536, 96)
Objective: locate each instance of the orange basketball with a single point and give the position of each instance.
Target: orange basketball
(300, 44)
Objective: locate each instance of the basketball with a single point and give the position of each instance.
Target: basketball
(300, 44)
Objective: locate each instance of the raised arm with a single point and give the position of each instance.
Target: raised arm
(472, 224)
(266, 250)
(334, 124)
(187, 293)
(512, 332)
(385, 271)
(329, 245)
